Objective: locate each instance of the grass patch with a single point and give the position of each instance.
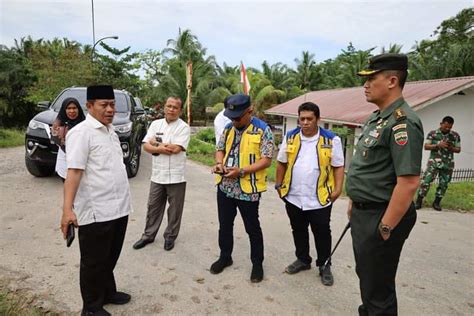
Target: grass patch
(13, 306)
(201, 148)
(11, 137)
(459, 196)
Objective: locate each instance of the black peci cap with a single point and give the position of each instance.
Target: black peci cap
(103, 92)
(385, 62)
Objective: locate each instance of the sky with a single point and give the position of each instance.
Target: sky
(233, 31)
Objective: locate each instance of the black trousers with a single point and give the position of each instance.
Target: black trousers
(100, 245)
(227, 210)
(319, 221)
(377, 260)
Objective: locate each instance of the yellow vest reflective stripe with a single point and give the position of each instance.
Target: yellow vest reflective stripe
(325, 181)
(249, 153)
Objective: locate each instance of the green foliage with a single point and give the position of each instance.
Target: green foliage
(57, 64)
(206, 135)
(459, 196)
(119, 69)
(37, 70)
(201, 147)
(11, 137)
(197, 146)
(16, 77)
(450, 54)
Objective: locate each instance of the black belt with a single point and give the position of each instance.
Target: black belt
(370, 205)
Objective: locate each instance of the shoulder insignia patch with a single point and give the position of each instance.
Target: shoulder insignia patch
(401, 138)
(399, 126)
(399, 114)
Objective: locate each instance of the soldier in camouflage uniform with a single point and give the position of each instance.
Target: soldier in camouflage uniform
(442, 143)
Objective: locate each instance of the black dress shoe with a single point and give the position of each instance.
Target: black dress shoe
(326, 275)
(142, 243)
(118, 298)
(297, 266)
(169, 244)
(218, 266)
(257, 273)
(100, 312)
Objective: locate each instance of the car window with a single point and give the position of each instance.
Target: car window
(121, 104)
(138, 102)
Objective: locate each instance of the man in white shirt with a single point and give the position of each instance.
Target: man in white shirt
(97, 200)
(220, 122)
(310, 174)
(167, 140)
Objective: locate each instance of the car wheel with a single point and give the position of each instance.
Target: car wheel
(38, 170)
(134, 163)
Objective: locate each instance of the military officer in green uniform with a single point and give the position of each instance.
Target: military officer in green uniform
(442, 143)
(381, 182)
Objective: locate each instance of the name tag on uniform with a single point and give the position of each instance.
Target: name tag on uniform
(253, 133)
(374, 133)
(326, 146)
(230, 162)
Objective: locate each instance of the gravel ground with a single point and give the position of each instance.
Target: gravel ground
(435, 275)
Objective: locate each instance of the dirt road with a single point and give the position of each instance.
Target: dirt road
(436, 272)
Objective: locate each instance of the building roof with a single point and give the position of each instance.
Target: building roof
(348, 105)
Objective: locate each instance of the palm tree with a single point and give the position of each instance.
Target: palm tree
(392, 49)
(185, 47)
(279, 75)
(305, 68)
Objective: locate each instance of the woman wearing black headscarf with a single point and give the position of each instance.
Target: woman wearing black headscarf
(69, 115)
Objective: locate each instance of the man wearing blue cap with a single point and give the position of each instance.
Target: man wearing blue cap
(244, 152)
(382, 179)
(97, 200)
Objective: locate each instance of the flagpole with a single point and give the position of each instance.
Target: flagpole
(244, 79)
(189, 85)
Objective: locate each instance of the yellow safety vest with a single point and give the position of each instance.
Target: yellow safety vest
(249, 153)
(325, 181)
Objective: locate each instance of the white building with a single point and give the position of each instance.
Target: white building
(431, 99)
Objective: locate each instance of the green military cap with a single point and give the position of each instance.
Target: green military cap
(385, 62)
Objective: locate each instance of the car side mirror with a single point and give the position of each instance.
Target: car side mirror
(43, 104)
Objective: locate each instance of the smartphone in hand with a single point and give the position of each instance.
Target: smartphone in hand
(70, 234)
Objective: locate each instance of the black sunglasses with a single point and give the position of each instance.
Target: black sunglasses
(238, 119)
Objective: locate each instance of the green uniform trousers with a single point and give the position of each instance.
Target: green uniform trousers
(444, 176)
(376, 259)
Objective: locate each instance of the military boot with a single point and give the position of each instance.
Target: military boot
(419, 202)
(436, 204)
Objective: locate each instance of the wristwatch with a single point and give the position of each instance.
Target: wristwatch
(241, 173)
(385, 230)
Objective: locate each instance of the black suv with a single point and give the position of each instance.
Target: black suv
(129, 123)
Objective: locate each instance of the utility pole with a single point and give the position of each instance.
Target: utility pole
(93, 24)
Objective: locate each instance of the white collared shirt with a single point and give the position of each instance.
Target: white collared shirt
(104, 192)
(220, 122)
(306, 170)
(168, 169)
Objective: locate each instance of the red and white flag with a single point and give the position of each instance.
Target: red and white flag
(244, 80)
